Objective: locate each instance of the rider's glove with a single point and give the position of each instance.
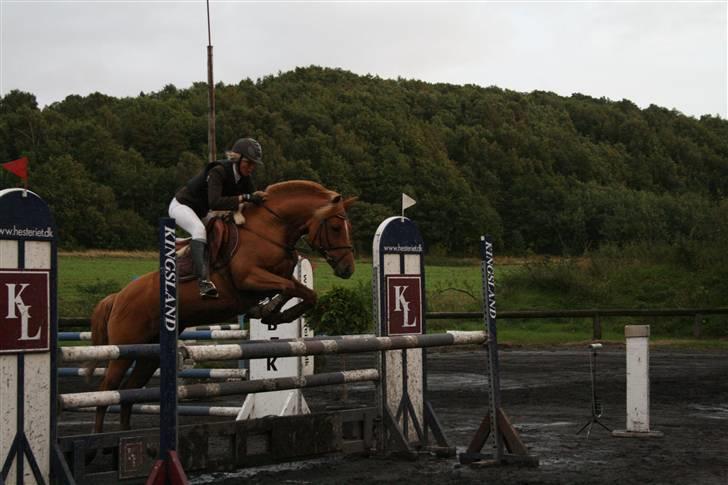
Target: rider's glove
(256, 198)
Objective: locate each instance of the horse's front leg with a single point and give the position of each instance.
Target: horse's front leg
(273, 305)
(296, 310)
(262, 280)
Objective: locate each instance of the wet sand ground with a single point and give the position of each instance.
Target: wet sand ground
(547, 394)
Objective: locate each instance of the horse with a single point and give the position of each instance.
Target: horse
(260, 268)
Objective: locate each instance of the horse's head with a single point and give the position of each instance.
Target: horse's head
(329, 232)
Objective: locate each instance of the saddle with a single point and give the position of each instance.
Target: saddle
(222, 241)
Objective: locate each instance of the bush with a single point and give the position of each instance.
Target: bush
(343, 311)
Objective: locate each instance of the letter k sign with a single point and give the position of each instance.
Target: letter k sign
(25, 311)
(401, 304)
(15, 302)
(404, 305)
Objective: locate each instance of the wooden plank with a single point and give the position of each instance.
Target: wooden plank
(203, 447)
(480, 437)
(513, 441)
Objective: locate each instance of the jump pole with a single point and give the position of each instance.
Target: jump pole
(168, 468)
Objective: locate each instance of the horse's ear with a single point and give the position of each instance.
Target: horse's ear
(349, 202)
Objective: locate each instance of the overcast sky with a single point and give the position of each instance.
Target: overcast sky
(670, 54)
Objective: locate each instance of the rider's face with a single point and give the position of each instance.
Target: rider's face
(246, 167)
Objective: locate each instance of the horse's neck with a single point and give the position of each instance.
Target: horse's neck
(290, 215)
(297, 211)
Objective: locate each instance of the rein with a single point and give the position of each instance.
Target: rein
(322, 237)
(291, 250)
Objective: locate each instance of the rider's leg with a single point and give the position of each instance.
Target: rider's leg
(201, 265)
(188, 220)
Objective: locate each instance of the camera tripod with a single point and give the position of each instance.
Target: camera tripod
(596, 408)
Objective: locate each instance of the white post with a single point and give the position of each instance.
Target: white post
(638, 383)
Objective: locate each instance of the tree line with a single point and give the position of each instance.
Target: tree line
(537, 171)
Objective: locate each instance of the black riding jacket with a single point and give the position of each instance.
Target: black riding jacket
(214, 188)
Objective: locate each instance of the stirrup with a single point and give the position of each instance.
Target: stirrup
(207, 289)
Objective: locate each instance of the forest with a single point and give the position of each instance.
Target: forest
(541, 173)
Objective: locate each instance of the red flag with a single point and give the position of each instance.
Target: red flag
(19, 167)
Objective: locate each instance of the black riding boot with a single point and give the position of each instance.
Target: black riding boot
(201, 266)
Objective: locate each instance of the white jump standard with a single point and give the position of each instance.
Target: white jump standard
(27, 338)
(638, 384)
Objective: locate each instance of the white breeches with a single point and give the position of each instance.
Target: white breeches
(187, 220)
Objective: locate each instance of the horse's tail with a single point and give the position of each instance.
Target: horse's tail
(99, 329)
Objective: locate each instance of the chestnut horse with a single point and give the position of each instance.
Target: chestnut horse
(261, 266)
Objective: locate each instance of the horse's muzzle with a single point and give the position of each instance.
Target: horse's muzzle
(343, 270)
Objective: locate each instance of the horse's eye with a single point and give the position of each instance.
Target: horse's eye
(336, 228)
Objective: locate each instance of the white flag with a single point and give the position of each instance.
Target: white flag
(407, 201)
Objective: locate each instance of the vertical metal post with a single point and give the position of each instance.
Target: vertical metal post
(168, 337)
(487, 266)
(211, 134)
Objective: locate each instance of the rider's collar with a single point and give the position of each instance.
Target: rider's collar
(236, 174)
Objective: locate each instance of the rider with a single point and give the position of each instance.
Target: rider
(221, 185)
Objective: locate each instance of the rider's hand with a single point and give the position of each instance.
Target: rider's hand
(256, 198)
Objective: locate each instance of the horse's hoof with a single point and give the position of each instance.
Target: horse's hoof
(273, 303)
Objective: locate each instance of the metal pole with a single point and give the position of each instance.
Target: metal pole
(207, 390)
(168, 337)
(211, 135)
(488, 271)
(201, 353)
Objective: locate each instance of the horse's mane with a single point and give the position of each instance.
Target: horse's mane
(292, 187)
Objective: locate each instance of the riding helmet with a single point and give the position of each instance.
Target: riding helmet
(250, 149)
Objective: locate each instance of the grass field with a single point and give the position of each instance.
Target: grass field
(86, 278)
(83, 280)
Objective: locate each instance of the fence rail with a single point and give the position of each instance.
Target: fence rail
(595, 314)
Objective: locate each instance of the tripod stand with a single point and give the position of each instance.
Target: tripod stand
(596, 408)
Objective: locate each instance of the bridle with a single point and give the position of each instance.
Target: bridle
(322, 244)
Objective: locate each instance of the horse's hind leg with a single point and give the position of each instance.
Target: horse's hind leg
(115, 371)
(143, 371)
(112, 380)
